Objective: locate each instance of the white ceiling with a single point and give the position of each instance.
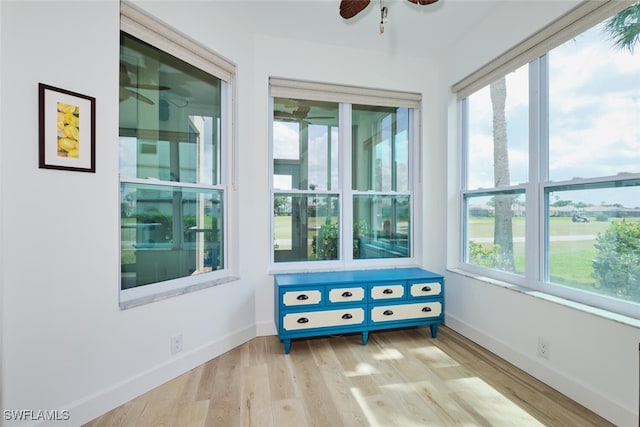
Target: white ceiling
(411, 29)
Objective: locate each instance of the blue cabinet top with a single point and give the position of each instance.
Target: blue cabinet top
(355, 276)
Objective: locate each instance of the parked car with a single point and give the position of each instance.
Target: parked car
(579, 218)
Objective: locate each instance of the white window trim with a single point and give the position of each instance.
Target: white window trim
(147, 29)
(346, 96)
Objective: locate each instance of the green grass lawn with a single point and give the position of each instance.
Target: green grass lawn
(571, 247)
(558, 226)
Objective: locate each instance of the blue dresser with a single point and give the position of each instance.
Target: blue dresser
(340, 302)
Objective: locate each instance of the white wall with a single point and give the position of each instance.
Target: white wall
(67, 345)
(594, 358)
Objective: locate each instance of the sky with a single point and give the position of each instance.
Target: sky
(594, 119)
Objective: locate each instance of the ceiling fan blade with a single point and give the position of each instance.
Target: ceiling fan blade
(283, 115)
(128, 93)
(350, 8)
(125, 81)
(143, 98)
(423, 2)
(151, 87)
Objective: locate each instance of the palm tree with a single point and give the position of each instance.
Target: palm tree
(503, 230)
(624, 28)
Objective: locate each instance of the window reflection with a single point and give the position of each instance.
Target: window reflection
(381, 226)
(170, 129)
(305, 163)
(168, 232)
(380, 148)
(306, 227)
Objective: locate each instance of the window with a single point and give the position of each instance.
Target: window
(343, 191)
(173, 175)
(305, 180)
(381, 198)
(497, 141)
(551, 175)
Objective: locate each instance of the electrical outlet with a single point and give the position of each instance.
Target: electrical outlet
(544, 348)
(176, 344)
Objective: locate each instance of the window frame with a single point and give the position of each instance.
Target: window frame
(346, 96)
(534, 52)
(139, 25)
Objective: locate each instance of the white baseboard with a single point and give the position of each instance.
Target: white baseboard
(570, 387)
(91, 407)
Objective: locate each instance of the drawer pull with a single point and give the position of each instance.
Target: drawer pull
(302, 297)
(388, 313)
(347, 316)
(347, 294)
(303, 320)
(426, 309)
(426, 289)
(387, 291)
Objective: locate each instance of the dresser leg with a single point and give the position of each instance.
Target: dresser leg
(365, 337)
(287, 346)
(434, 330)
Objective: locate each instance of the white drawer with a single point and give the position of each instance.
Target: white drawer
(388, 313)
(387, 291)
(425, 289)
(323, 319)
(346, 294)
(307, 297)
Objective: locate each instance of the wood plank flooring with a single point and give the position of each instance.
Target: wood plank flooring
(400, 378)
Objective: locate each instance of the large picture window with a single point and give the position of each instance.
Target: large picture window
(173, 138)
(343, 191)
(551, 191)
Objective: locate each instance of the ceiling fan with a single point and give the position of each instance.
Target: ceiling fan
(300, 112)
(127, 87)
(350, 8)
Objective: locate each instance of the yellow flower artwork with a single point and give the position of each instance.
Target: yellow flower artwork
(68, 130)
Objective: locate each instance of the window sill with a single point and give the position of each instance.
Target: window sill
(135, 302)
(608, 315)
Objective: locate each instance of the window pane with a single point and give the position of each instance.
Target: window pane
(305, 144)
(169, 232)
(498, 132)
(594, 238)
(380, 153)
(306, 227)
(495, 231)
(169, 116)
(594, 114)
(381, 226)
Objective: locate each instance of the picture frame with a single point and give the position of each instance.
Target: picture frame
(67, 130)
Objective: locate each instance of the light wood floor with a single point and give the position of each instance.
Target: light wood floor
(400, 378)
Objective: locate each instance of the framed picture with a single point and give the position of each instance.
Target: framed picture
(67, 130)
